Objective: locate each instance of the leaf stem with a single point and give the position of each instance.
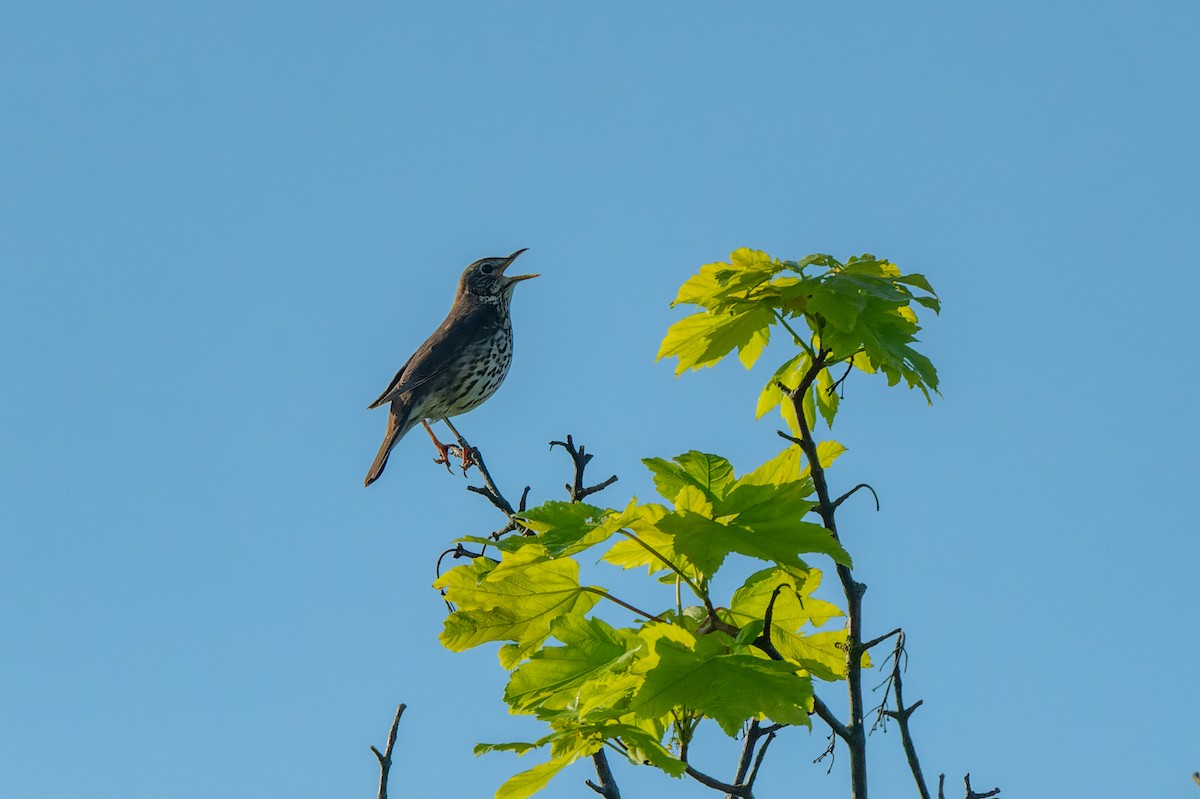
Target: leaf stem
(795, 336)
(701, 595)
(622, 603)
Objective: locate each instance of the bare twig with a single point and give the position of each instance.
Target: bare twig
(879, 640)
(901, 714)
(577, 491)
(837, 503)
(492, 494)
(970, 793)
(459, 551)
(829, 752)
(385, 759)
(842, 379)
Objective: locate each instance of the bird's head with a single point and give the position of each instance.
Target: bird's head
(486, 281)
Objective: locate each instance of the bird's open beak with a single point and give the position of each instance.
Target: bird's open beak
(510, 279)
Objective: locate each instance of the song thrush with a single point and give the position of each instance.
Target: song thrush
(461, 364)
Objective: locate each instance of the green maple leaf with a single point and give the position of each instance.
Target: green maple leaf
(729, 688)
(512, 601)
(703, 339)
(762, 521)
(822, 654)
(706, 542)
(861, 312)
(783, 468)
(794, 605)
(789, 375)
(711, 474)
(529, 782)
(566, 528)
(555, 677)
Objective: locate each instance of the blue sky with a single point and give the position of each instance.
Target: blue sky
(224, 226)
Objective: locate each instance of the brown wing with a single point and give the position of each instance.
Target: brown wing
(440, 350)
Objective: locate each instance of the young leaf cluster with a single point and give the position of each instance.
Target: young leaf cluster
(859, 313)
(642, 688)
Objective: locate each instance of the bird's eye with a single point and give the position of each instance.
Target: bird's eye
(487, 269)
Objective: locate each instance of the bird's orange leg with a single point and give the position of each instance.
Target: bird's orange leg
(468, 452)
(443, 449)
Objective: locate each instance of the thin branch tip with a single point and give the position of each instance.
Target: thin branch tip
(837, 503)
(385, 758)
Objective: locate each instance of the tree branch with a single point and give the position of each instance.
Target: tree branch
(902, 714)
(752, 735)
(711, 782)
(580, 458)
(763, 641)
(608, 786)
(970, 793)
(881, 639)
(826, 715)
(822, 710)
(855, 734)
(762, 753)
(490, 491)
(385, 759)
(842, 379)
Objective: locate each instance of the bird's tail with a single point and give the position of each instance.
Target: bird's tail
(399, 423)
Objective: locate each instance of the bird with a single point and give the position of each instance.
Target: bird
(460, 365)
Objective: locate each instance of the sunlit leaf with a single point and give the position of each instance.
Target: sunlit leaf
(629, 554)
(822, 654)
(827, 453)
(783, 468)
(711, 474)
(554, 676)
(731, 689)
(789, 375)
(748, 353)
(527, 783)
(827, 397)
(702, 339)
(794, 605)
(566, 527)
(511, 601)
